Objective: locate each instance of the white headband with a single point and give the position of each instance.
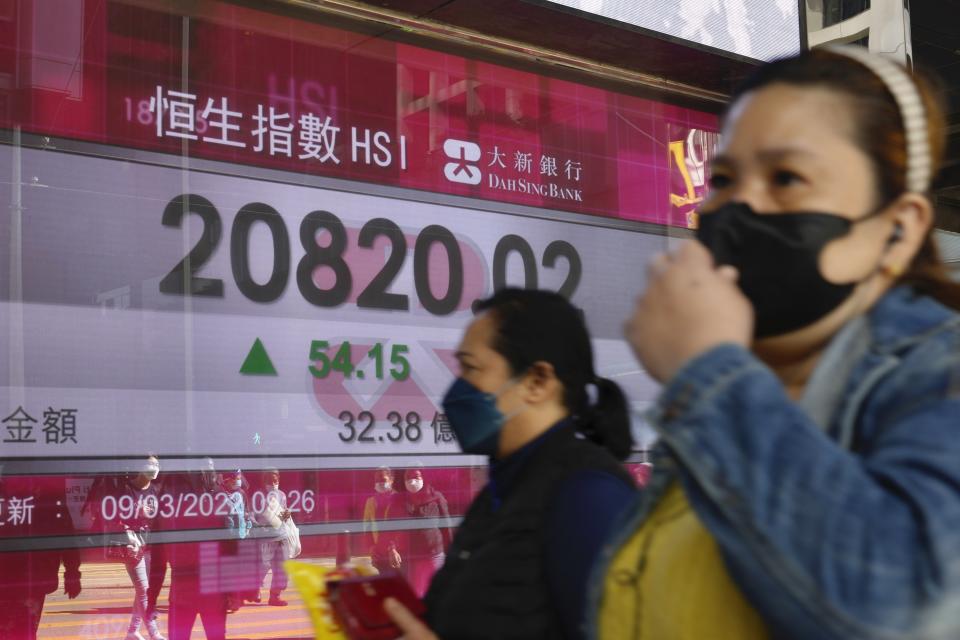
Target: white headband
(898, 81)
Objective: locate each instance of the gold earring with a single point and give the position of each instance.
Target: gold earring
(892, 271)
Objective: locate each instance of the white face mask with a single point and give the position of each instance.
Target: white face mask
(237, 484)
(273, 487)
(151, 471)
(414, 485)
(383, 487)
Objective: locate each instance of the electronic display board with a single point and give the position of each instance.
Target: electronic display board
(241, 241)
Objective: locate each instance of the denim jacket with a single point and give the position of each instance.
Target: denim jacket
(846, 529)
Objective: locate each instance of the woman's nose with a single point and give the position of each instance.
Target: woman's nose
(754, 193)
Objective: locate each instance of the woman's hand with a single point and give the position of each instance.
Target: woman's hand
(690, 306)
(412, 627)
(395, 560)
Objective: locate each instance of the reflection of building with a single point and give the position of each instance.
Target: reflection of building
(760, 29)
(881, 26)
(118, 298)
(949, 243)
(924, 35)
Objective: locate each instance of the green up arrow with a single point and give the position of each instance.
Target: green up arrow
(258, 362)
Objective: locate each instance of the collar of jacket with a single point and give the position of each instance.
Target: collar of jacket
(903, 317)
(504, 473)
(899, 321)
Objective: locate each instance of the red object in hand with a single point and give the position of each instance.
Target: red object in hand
(358, 605)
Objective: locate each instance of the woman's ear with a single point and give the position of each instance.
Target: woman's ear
(912, 218)
(540, 382)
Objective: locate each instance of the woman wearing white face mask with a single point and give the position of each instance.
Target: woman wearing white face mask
(142, 493)
(427, 544)
(272, 553)
(239, 517)
(385, 503)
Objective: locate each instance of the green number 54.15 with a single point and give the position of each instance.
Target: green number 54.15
(323, 365)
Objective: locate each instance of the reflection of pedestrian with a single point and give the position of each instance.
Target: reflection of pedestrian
(158, 561)
(384, 552)
(26, 577)
(195, 586)
(239, 517)
(238, 521)
(138, 504)
(189, 597)
(272, 516)
(429, 542)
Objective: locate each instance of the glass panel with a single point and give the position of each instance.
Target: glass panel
(240, 251)
(757, 29)
(835, 11)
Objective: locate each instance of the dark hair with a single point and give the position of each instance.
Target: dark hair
(542, 326)
(878, 131)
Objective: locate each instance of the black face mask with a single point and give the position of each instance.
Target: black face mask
(778, 257)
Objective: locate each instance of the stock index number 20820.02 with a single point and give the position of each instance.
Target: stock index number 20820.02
(184, 278)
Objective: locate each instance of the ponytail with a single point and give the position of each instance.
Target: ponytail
(607, 421)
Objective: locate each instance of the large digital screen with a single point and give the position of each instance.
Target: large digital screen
(311, 309)
(758, 29)
(249, 244)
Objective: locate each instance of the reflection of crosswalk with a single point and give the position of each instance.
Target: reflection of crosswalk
(102, 612)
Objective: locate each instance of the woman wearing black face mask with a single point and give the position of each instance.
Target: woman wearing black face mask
(807, 481)
(519, 562)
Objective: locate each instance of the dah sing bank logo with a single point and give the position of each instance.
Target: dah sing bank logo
(515, 174)
(463, 153)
